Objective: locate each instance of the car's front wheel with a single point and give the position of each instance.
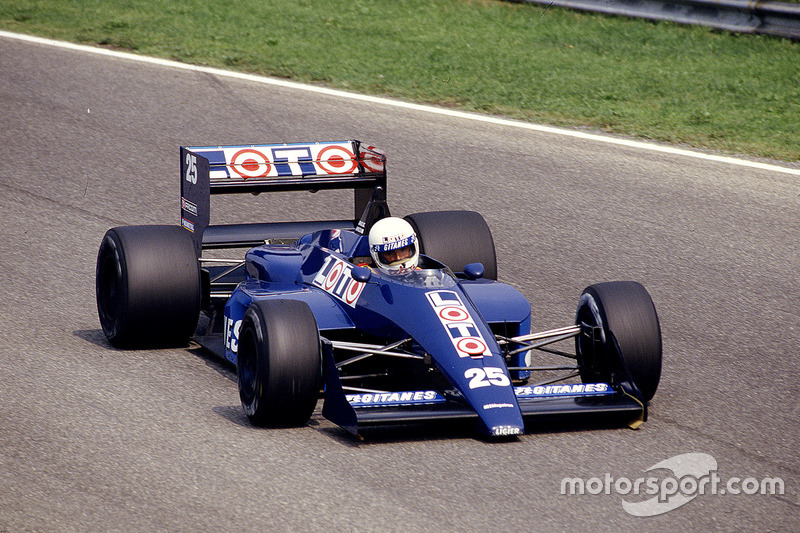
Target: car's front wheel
(279, 363)
(621, 338)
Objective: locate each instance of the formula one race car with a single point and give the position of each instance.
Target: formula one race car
(391, 320)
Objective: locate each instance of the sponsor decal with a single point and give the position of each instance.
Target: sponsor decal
(497, 406)
(335, 277)
(187, 224)
(335, 242)
(394, 242)
(578, 389)
(278, 161)
(506, 431)
(460, 327)
(232, 328)
(382, 399)
(337, 160)
(250, 163)
(293, 161)
(188, 206)
(372, 159)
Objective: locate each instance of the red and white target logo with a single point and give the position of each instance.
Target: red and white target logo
(372, 159)
(352, 292)
(453, 314)
(471, 346)
(335, 159)
(250, 163)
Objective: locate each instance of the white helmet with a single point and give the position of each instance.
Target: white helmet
(393, 245)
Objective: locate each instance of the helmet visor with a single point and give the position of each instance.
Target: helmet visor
(397, 255)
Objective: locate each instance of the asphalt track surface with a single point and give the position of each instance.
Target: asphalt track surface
(95, 439)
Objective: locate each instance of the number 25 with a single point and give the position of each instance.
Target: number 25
(191, 168)
(484, 377)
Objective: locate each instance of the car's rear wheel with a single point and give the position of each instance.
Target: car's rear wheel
(627, 336)
(279, 363)
(147, 286)
(456, 238)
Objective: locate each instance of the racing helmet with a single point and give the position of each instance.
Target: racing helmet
(393, 245)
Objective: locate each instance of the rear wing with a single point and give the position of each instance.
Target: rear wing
(207, 170)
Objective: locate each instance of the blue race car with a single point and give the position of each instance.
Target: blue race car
(390, 320)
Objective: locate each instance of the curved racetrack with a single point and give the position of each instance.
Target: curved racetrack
(95, 439)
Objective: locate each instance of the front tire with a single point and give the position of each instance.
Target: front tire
(147, 286)
(628, 339)
(279, 363)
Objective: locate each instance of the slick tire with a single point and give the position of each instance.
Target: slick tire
(147, 285)
(629, 340)
(456, 238)
(279, 363)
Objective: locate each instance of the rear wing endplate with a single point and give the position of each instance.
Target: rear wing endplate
(207, 170)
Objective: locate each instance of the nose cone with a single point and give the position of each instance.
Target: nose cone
(490, 393)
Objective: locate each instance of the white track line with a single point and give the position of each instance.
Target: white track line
(640, 145)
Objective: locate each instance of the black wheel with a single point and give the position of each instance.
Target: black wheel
(628, 339)
(279, 363)
(456, 238)
(147, 286)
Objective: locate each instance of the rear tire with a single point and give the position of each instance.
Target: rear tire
(456, 238)
(629, 342)
(147, 286)
(279, 363)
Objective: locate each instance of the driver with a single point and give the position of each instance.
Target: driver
(393, 246)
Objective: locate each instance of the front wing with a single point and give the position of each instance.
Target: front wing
(598, 401)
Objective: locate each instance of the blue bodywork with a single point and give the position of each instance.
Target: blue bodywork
(447, 318)
(395, 348)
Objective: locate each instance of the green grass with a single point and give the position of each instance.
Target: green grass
(680, 84)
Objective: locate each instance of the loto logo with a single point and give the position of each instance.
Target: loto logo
(336, 279)
(458, 323)
(692, 475)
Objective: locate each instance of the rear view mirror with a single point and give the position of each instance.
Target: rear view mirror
(474, 270)
(361, 274)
